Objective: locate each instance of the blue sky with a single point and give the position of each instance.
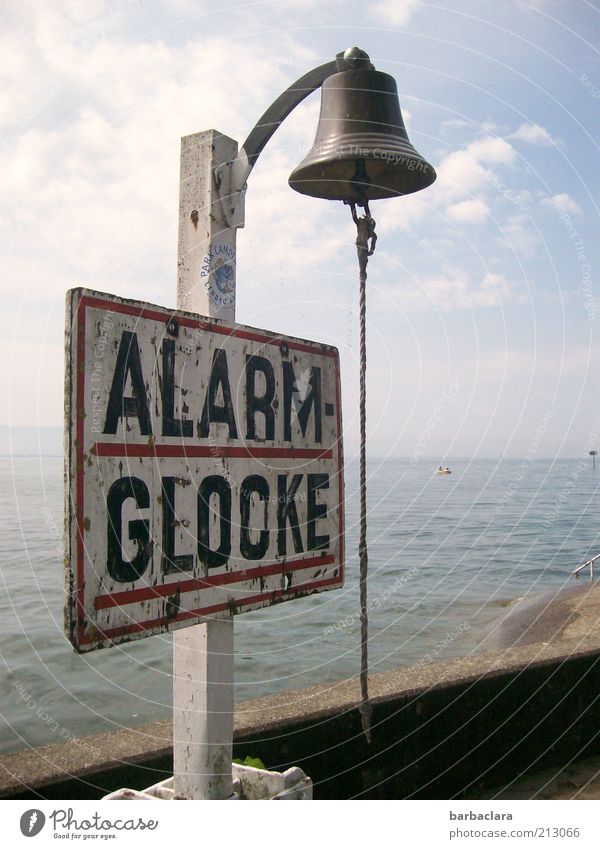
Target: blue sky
(483, 302)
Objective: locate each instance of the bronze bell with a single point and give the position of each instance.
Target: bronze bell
(361, 151)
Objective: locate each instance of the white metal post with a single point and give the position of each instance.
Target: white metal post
(207, 233)
(203, 710)
(203, 654)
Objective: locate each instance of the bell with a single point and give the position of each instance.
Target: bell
(361, 151)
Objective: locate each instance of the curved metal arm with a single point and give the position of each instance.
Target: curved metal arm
(278, 111)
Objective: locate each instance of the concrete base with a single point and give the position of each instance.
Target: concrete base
(249, 784)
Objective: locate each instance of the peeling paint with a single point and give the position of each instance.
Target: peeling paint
(172, 605)
(239, 551)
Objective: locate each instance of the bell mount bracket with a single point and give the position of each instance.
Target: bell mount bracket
(231, 177)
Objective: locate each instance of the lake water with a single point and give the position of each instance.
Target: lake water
(446, 556)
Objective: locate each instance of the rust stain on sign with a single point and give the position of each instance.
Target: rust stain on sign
(212, 481)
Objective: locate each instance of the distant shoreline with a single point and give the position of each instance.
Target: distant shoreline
(370, 457)
(16, 456)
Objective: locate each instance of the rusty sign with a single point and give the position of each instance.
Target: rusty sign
(204, 469)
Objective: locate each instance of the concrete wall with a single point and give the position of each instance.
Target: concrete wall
(442, 730)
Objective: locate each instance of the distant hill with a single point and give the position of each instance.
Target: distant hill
(27, 441)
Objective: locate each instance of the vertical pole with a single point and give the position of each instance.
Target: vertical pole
(203, 654)
(203, 710)
(206, 250)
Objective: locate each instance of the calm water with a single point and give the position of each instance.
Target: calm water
(446, 554)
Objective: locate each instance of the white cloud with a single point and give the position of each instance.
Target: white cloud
(489, 127)
(466, 182)
(464, 172)
(449, 290)
(492, 150)
(396, 13)
(456, 124)
(459, 174)
(500, 288)
(441, 291)
(120, 151)
(91, 177)
(404, 212)
(296, 224)
(563, 203)
(519, 235)
(182, 7)
(534, 134)
(469, 211)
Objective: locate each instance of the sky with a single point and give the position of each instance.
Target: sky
(483, 293)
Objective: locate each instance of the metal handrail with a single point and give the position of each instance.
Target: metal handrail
(589, 563)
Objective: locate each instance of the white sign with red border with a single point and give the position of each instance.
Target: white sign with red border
(204, 469)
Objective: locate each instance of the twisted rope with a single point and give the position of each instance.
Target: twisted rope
(365, 245)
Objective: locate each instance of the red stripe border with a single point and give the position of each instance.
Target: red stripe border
(132, 449)
(79, 473)
(222, 330)
(104, 602)
(136, 627)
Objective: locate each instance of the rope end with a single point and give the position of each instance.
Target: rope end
(366, 714)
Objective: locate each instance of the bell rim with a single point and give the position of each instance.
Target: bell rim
(371, 192)
(395, 152)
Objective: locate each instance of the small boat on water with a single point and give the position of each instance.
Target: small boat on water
(443, 470)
